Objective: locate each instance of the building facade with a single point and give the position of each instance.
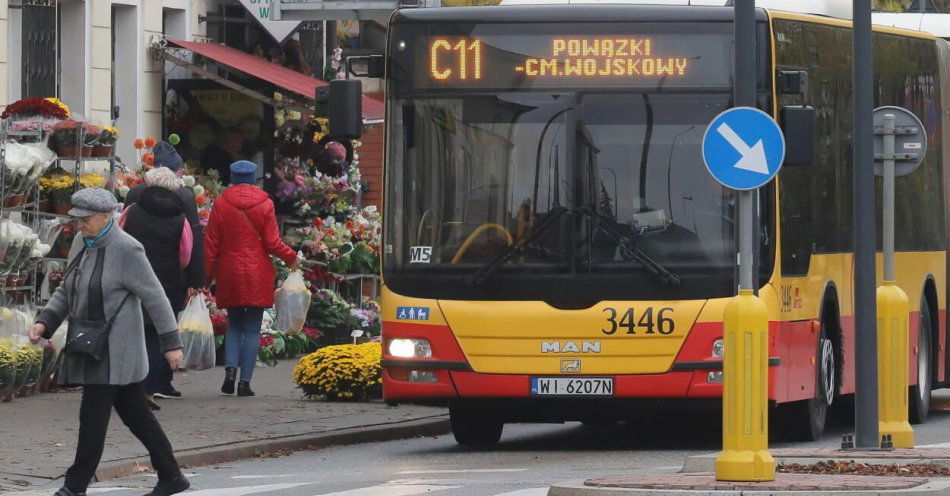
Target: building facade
(95, 56)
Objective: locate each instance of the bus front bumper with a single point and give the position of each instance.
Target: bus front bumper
(405, 380)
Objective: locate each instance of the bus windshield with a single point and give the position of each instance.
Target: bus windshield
(557, 193)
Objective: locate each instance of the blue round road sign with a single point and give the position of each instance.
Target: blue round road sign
(743, 148)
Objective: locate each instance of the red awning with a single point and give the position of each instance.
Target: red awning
(276, 74)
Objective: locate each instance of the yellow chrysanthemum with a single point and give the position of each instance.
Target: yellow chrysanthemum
(59, 103)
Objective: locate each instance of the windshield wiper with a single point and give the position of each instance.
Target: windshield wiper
(629, 250)
(517, 248)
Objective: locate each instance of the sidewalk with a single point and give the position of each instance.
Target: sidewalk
(39, 433)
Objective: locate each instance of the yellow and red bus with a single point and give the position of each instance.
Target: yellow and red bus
(555, 250)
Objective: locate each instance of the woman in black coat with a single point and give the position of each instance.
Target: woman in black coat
(158, 220)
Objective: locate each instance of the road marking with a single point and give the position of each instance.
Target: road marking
(535, 491)
(280, 476)
(938, 445)
(462, 471)
(245, 490)
(390, 490)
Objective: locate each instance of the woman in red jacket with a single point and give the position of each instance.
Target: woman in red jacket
(241, 233)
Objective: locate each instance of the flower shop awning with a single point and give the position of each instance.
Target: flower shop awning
(288, 80)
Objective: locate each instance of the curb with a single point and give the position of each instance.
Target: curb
(932, 488)
(196, 457)
(707, 463)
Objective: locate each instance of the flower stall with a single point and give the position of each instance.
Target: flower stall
(46, 154)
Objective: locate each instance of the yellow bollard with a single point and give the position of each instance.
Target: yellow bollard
(745, 392)
(893, 338)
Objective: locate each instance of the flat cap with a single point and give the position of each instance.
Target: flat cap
(92, 201)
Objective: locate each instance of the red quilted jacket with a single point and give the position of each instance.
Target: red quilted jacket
(237, 247)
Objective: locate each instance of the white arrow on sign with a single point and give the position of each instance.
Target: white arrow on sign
(753, 158)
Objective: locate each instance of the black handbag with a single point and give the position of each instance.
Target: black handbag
(89, 339)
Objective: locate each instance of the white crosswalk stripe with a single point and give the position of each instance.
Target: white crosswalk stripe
(391, 490)
(462, 471)
(246, 490)
(534, 491)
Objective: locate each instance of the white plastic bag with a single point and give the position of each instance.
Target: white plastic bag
(197, 335)
(292, 301)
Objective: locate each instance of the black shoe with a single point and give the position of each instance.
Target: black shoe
(64, 491)
(230, 375)
(176, 486)
(169, 393)
(244, 389)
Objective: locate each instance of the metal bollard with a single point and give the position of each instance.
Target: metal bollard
(745, 393)
(893, 338)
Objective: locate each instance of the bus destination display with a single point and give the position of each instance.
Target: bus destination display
(568, 57)
(552, 60)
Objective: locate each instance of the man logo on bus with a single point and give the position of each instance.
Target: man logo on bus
(571, 366)
(570, 347)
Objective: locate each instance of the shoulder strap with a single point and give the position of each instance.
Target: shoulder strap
(116, 314)
(248, 219)
(75, 262)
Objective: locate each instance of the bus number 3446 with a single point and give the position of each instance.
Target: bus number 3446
(648, 323)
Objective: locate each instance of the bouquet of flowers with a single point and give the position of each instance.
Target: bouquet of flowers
(8, 357)
(69, 135)
(25, 163)
(22, 248)
(36, 107)
(206, 189)
(125, 180)
(367, 318)
(110, 134)
(329, 310)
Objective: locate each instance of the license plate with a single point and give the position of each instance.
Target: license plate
(572, 386)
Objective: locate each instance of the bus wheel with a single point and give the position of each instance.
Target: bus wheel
(473, 428)
(808, 417)
(920, 394)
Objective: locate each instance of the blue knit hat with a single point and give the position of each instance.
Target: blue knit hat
(166, 156)
(243, 172)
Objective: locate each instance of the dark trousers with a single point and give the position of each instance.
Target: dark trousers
(129, 403)
(159, 373)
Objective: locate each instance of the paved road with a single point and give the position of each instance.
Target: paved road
(530, 458)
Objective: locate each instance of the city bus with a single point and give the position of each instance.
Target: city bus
(555, 250)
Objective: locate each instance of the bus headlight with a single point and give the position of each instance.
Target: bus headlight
(410, 348)
(717, 348)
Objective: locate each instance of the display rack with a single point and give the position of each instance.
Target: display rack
(14, 290)
(30, 214)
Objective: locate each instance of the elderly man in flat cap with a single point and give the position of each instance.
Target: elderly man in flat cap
(108, 280)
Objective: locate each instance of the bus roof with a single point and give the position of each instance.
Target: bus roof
(936, 24)
(840, 9)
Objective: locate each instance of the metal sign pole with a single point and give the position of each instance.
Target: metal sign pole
(865, 299)
(745, 97)
(888, 197)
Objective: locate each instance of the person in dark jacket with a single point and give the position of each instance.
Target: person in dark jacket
(242, 232)
(166, 156)
(109, 280)
(158, 221)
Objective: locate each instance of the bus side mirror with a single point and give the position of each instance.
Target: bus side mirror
(798, 126)
(365, 66)
(345, 110)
